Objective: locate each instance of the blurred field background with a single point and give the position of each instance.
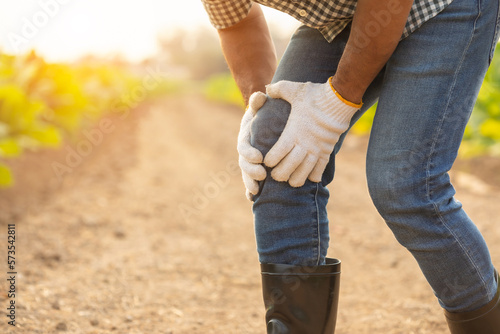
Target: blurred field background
(60, 74)
(116, 121)
(45, 104)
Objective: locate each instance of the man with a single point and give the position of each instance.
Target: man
(424, 61)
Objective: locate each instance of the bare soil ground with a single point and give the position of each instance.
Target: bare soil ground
(151, 233)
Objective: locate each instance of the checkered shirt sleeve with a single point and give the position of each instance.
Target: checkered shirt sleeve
(225, 13)
(329, 17)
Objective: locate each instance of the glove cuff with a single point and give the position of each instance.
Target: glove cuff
(341, 98)
(338, 108)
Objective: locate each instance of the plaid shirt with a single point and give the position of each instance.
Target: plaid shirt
(329, 17)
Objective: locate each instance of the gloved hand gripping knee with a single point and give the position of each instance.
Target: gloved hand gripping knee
(250, 158)
(318, 117)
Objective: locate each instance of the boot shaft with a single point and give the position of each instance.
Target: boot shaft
(485, 320)
(301, 299)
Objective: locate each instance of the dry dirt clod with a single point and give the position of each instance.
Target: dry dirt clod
(55, 305)
(61, 327)
(120, 234)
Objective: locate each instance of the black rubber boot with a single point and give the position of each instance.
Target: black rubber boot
(301, 299)
(485, 320)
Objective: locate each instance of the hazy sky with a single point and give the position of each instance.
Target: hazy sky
(67, 29)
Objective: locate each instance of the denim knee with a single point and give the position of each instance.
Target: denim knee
(391, 187)
(410, 199)
(269, 123)
(419, 207)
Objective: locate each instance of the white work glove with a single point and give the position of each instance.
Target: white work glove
(250, 158)
(318, 117)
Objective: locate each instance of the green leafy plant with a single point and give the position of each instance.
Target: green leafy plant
(222, 88)
(41, 104)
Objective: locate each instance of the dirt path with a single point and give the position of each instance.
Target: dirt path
(151, 233)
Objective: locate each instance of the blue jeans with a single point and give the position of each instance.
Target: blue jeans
(425, 94)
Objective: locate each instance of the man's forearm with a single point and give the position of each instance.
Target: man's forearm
(249, 52)
(376, 30)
